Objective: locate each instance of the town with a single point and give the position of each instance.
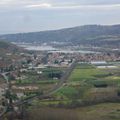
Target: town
(34, 73)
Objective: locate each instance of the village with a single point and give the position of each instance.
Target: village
(28, 74)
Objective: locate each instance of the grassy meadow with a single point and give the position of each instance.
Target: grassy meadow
(110, 111)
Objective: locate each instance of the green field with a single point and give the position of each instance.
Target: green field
(46, 77)
(91, 84)
(92, 93)
(87, 85)
(45, 81)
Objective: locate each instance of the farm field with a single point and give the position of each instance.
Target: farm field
(34, 81)
(88, 85)
(90, 93)
(41, 76)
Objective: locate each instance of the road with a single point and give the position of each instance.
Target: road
(7, 83)
(5, 77)
(52, 91)
(47, 94)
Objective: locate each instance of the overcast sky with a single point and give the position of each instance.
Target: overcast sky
(38, 15)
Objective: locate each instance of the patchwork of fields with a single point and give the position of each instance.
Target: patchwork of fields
(93, 92)
(88, 85)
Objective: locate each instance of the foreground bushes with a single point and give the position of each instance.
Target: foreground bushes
(52, 114)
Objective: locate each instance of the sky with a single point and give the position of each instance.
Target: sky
(39, 15)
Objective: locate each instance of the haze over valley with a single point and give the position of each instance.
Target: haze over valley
(59, 60)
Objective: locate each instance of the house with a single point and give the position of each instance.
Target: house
(29, 88)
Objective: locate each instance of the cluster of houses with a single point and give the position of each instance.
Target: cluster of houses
(28, 87)
(59, 59)
(25, 61)
(98, 57)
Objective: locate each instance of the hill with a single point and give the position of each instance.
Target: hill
(9, 54)
(97, 35)
(8, 48)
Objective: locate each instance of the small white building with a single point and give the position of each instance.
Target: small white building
(19, 95)
(98, 62)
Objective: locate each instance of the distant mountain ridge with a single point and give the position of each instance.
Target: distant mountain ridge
(97, 35)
